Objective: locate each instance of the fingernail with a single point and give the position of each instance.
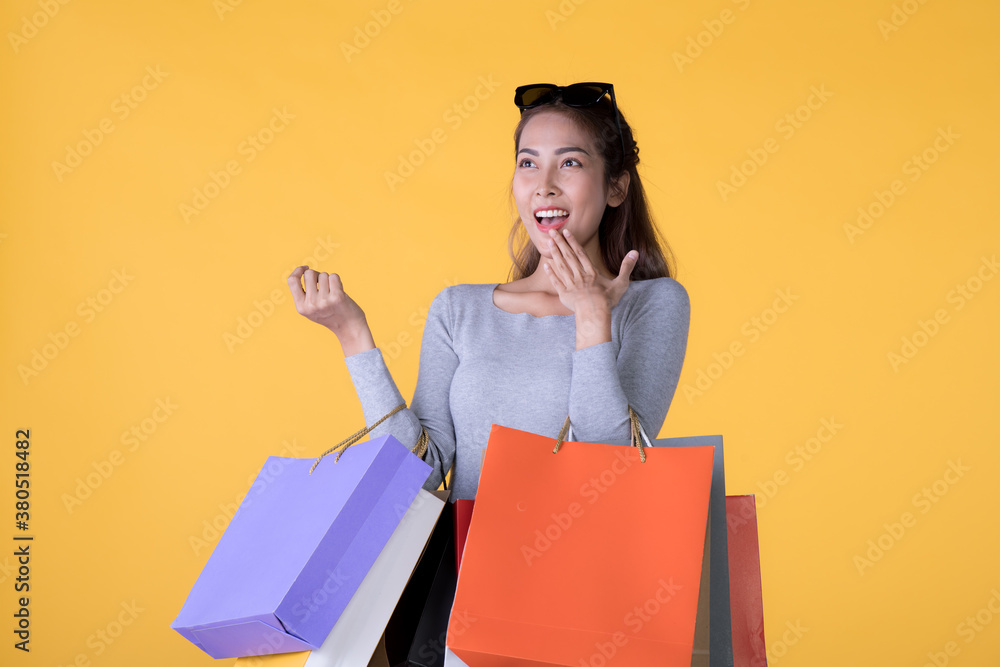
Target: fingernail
(566, 232)
(633, 254)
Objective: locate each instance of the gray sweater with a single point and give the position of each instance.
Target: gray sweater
(480, 365)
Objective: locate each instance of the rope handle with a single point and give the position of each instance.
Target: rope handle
(637, 437)
(419, 449)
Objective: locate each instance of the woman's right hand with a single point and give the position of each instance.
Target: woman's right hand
(324, 302)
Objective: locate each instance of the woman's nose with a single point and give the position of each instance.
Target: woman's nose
(546, 183)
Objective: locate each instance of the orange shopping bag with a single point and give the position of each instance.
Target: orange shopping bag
(584, 557)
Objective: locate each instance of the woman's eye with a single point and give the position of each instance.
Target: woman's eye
(572, 161)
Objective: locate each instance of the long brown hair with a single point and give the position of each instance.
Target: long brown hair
(623, 228)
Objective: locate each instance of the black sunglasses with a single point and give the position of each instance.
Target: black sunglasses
(575, 95)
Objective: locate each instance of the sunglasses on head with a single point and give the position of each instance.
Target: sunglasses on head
(575, 95)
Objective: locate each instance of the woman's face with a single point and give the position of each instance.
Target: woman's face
(559, 170)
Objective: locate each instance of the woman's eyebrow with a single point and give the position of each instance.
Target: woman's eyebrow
(559, 151)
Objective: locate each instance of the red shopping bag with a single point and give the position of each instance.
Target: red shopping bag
(746, 601)
(463, 517)
(583, 556)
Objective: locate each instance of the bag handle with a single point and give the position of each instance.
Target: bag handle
(419, 449)
(637, 432)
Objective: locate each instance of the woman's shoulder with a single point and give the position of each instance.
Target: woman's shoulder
(660, 291)
(656, 302)
(463, 296)
(465, 291)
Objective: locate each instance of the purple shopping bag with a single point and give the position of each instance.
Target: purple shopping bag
(298, 548)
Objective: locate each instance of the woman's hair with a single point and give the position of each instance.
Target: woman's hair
(623, 228)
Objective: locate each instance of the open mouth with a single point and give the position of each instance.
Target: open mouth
(551, 218)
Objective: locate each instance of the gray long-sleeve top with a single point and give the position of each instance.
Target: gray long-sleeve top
(481, 365)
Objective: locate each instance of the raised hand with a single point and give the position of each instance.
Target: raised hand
(323, 300)
(580, 287)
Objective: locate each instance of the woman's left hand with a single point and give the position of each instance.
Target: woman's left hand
(580, 287)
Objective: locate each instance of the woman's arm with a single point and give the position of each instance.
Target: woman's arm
(324, 301)
(653, 340)
(430, 408)
(645, 372)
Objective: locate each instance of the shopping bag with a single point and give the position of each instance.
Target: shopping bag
(749, 649)
(463, 517)
(701, 642)
(582, 556)
(720, 627)
(452, 660)
(355, 638)
(297, 549)
(379, 657)
(427, 648)
(401, 633)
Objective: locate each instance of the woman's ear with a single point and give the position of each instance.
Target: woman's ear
(619, 190)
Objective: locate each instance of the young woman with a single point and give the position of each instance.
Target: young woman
(591, 323)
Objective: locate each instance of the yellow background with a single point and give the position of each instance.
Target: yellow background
(319, 191)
